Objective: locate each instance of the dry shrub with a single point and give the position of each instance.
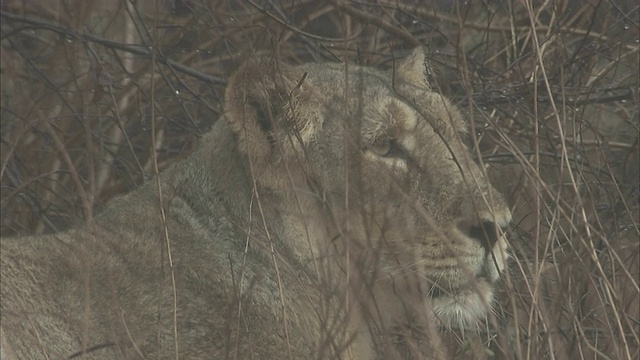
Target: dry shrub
(99, 95)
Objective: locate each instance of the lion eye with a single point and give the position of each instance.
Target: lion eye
(381, 148)
(389, 148)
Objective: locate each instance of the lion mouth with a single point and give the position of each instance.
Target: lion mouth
(479, 284)
(438, 291)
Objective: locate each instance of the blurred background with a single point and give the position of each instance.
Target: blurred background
(94, 93)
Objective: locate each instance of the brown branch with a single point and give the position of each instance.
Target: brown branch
(372, 19)
(140, 50)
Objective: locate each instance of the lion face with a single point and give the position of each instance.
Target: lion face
(382, 154)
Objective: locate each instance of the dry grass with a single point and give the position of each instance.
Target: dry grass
(551, 88)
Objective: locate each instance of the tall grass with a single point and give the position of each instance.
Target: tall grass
(550, 89)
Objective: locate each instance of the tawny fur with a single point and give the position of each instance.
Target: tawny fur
(316, 219)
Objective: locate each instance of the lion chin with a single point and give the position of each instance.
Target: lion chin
(465, 309)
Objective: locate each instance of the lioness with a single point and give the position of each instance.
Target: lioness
(329, 208)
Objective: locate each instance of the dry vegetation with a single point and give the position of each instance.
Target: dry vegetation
(99, 95)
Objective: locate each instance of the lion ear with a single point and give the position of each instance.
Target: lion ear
(259, 99)
(413, 69)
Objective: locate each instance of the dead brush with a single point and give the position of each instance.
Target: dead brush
(96, 97)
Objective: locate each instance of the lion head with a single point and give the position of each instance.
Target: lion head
(376, 174)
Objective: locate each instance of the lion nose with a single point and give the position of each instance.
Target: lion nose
(486, 233)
